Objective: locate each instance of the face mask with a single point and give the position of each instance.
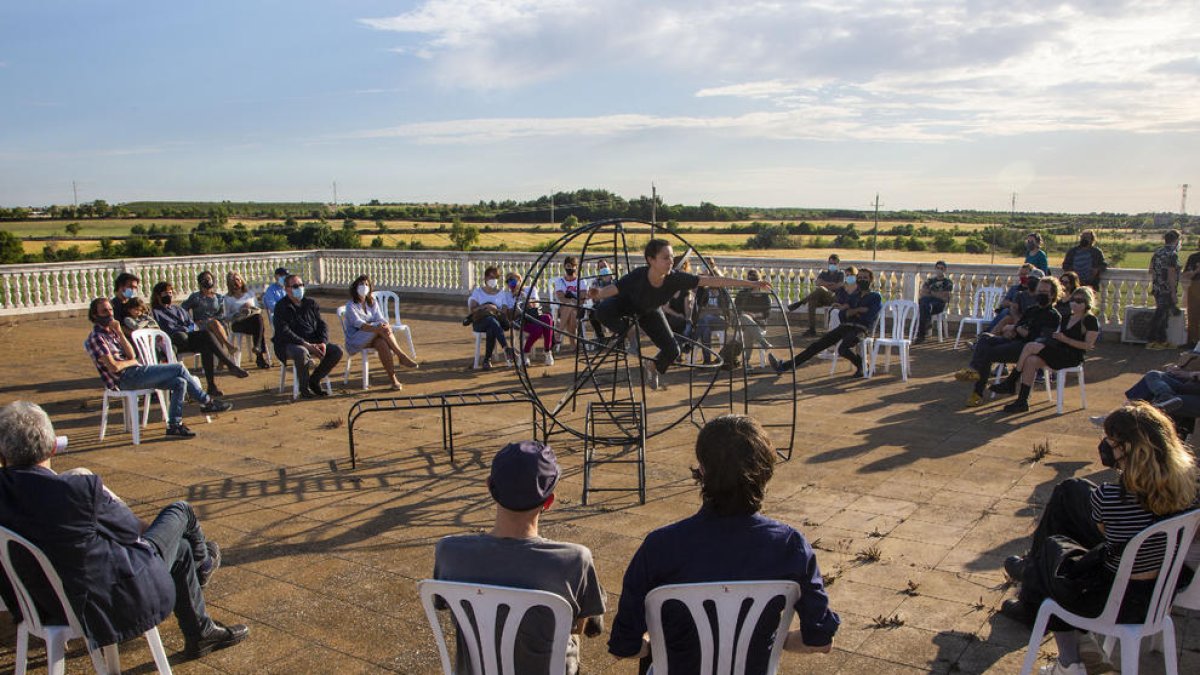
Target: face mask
(939, 273)
(166, 298)
(1107, 456)
(1084, 241)
(1043, 299)
(604, 272)
(833, 267)
(280, 280)
(206, 283)
(492, 283)
(850, 279)
(298, 292)
(864, 284)
(1030, 245)
(512, 283)
(569, 271)
(363, 289)
(128, 293)
(103, 321)
(1022, 279)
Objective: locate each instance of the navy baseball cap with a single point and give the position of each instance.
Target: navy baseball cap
(282, 272)
(523, 475)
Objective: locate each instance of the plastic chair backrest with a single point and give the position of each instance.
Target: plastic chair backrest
(902, 316)
(1179, 532)
(29, 611)
(728, 600)
(476, 608)
(985, 301)
(389, 304)
(145, 341)
(341, 315)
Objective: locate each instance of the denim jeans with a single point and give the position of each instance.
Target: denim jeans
(1164, 306)
(490, 326)
(176, 534)
(171, 376)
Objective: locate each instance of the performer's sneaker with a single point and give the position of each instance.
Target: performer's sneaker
(651, 374)
(775, 363)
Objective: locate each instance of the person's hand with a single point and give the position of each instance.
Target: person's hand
(114, 328)
(311, 349)
(1008, 332)
(1057, 335)
(763, 285)
(593, 293)
(320, 347)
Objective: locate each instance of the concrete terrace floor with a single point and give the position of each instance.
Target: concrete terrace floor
(322, 561)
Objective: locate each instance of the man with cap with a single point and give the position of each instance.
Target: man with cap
(935, 293)
(276, 291)
(522, 483)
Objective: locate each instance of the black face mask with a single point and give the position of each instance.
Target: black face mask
(864, 285)
(1043, 299)
(103, 321)
(1107, 456)
(166, 299)
(206, 283)
(1084, 241)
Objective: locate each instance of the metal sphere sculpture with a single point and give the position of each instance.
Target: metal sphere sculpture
(608, 367)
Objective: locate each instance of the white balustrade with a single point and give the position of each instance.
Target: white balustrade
(27, 289)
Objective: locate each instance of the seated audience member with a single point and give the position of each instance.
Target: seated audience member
(569, 291)
(604, 277)
(512, 554)
(1008, 302)
(727, 540)
(525, 306)
(243, 315)
(826, 292)
(126, 287)
(1156, 480)
(711, 307)
(120, 576)
(1065, 348)
(137, 316)
(935, 293)
(1037, 322)
(489, 307)
(301, 335)
(857, 321)
(276, 291)
(119, 368)
(367, 328)
(208, 308)
(1070, 282)
(1023, 301)
(754, 310)
(1175, 390)
(175, 321)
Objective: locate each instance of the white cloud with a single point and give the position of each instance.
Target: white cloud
(904, 70)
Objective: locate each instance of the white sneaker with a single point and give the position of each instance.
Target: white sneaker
(651, 374)
(1058, 668)
(549, 359)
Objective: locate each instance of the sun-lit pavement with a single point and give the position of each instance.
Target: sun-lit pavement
(911, 500)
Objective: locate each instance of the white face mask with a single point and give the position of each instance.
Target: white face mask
(833, 268)
(492, 283)
(363, 289)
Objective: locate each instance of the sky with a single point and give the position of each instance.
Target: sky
(1079, 106)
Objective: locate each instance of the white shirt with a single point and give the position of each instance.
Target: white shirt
(502, 299)
(233, 305)
(561, 285)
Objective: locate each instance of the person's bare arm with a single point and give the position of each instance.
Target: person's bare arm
(726, 282)
(602, 293)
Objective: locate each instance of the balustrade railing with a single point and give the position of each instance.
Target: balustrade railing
(27, 289)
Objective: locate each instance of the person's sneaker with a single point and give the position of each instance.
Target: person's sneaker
(974, 400)
(651, 374)
(180, 431)
(1057, 668)
(1014, 567)
(775, 364)
(510, 355)
(217, 637)
(1098, 420)
(1167, 404)
(1003, 387)
(549, 359)
(261, 362)
(1017, 406)
(967, 375)
(216, 405)
(305, 392)
(1158, 346)
(206, 569)
(486, 365)
(215, 392)
(315, 387)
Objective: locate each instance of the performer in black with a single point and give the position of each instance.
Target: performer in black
(641, 294)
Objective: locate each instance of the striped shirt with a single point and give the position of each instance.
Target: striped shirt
(1123, 518)
(100, 343)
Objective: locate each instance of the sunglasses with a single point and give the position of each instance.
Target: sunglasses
(296, 286)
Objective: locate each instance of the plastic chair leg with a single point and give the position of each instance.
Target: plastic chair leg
(131, 409)
(22, 650)
(56, 653)
(157, 651)
(103, 416)
(346, 376)
(366, 363)
(904, 363)
(1130, 650)
(957, 338)
(1062, 385)
(1170, 656)
(478, 344)
(112, 658)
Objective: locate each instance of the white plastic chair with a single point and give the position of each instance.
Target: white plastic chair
(479, 338)
(732, 636)
(903, 319)
(130, 399)
(290, 366)
(106, 660)
(983, 310)
(1178, 532)
(389, 304)
(479, 626)
(1060, 377)
(364, 353)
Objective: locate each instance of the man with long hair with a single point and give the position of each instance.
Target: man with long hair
(728, 540)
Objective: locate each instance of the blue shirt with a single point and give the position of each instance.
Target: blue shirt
(272, 295)
(707, 548)
(174, 319)
(1038, 259)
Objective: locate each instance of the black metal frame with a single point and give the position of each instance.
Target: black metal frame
(634, 410)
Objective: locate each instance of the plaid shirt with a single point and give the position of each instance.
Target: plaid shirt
(100, 343)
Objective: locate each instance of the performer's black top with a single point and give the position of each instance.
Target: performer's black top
(636, 296)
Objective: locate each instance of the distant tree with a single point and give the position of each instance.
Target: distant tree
(349, 224)
(11, 249)
(975, 245)
(465, 237)
(137, 229)
(377, 242)
(72, 228)
(943, 242)
(346, 239)
(914, 244)
(569, 223)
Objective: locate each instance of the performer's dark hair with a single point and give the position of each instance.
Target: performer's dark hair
(737, 459)
(654, 247)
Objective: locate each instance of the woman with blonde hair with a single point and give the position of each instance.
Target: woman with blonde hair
(243, 315)
(1077, 546)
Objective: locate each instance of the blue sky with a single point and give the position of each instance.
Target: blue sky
(1077, 106)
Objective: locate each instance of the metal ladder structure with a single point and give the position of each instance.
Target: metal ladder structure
(602, 419)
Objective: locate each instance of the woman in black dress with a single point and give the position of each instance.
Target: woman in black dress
(640, 295)
(1064, 349)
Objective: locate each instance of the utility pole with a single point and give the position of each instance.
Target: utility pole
(335, 195)
(653, 208)
(875, 232)
(1183, 199)
(551, 207)
(75, 192)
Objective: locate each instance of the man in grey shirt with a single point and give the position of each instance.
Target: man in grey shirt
(522, 483)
